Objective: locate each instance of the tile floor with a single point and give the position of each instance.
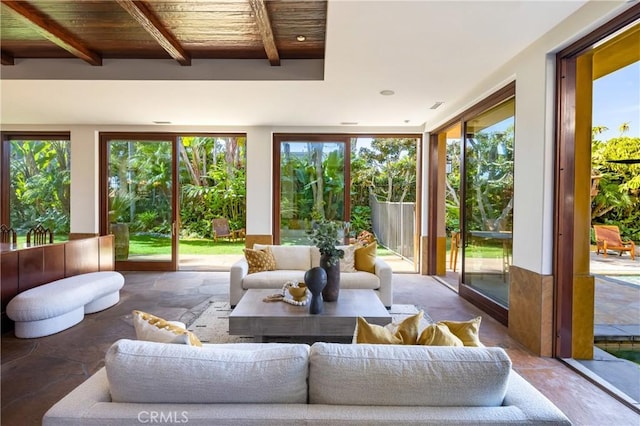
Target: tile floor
(35, 373)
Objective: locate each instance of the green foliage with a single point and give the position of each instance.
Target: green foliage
(324, 235)
(489, 180)
(146, 221)
(360, 219)
(40, 184)
(388, 169)
(618, 199)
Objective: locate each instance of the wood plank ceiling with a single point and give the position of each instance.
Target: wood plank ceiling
(93, 30)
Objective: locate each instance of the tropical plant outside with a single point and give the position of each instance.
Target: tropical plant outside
(618, 199)
(40, 185)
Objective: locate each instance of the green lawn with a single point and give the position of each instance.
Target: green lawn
(154, 245)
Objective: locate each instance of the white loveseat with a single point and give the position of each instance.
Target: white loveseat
(324, 384)
(291, 264)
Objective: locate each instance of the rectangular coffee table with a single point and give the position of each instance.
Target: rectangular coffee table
(253, 317)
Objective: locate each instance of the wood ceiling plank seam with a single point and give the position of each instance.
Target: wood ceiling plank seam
(152, 24)
(52, 31)
(261, 15)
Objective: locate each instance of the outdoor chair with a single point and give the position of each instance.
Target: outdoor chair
(220, 229)
(8, 235)
(39, 235)
(608, 238)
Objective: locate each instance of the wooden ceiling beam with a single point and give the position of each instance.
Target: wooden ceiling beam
(264, 27)
(52, 31)
(152, 24)
(7, 59)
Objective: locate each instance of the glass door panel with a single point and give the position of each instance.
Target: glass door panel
(312, 186)
(488, 202)
(140, 202)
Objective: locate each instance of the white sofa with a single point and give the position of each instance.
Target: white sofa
(323, 384)
(291, 264)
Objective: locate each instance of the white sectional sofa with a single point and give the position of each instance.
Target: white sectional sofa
(291, 264)
(297, 384)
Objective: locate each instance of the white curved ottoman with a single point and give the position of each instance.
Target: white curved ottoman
(58, 305)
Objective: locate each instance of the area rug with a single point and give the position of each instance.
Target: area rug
(212, 325)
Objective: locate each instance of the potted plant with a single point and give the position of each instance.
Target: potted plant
(119, 210)
(324, 235)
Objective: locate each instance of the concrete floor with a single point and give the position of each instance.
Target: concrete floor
(35, 373)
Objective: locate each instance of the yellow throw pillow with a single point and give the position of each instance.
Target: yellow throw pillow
(467, 331)
(155, 329)
(406, 332)
(260, 260)
(438, 335)
(366, 258)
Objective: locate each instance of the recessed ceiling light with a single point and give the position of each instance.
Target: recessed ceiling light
(406, 121)
(387, 92)
(436, 105)
(161, 122)
(301, 38)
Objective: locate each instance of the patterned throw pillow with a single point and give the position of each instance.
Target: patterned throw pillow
(155, 329)
(260, 260)
(348, 261)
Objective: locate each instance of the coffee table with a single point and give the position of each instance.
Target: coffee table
(253, 317)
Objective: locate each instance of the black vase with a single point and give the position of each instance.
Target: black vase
(332, 289)
(316, 280)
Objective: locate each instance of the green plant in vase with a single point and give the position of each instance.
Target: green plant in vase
(324, 235)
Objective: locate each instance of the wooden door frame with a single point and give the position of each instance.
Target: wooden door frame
(565, 171)
(105, 138)
(480, 300)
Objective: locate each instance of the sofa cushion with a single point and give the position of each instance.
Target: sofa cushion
(150, 372)
(155, 329)
(260, 260)
(467, 331)
(289, 257)
(407, 375)
(365, 258)
(359, 280)
(272, 279)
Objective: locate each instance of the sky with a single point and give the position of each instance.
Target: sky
(616, 100)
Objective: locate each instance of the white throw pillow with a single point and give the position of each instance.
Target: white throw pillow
(348, 261)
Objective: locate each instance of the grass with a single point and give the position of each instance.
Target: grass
(628, 354)
(155, 245)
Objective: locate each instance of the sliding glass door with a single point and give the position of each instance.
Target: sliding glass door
(488, 188)
(139, 200)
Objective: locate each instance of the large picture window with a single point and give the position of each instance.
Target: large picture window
(36, 182)
(365, 182)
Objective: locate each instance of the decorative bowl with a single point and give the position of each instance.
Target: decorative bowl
(298, 293)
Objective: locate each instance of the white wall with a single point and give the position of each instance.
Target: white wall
(534, 72)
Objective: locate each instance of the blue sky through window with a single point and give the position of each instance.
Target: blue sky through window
(616, 100)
